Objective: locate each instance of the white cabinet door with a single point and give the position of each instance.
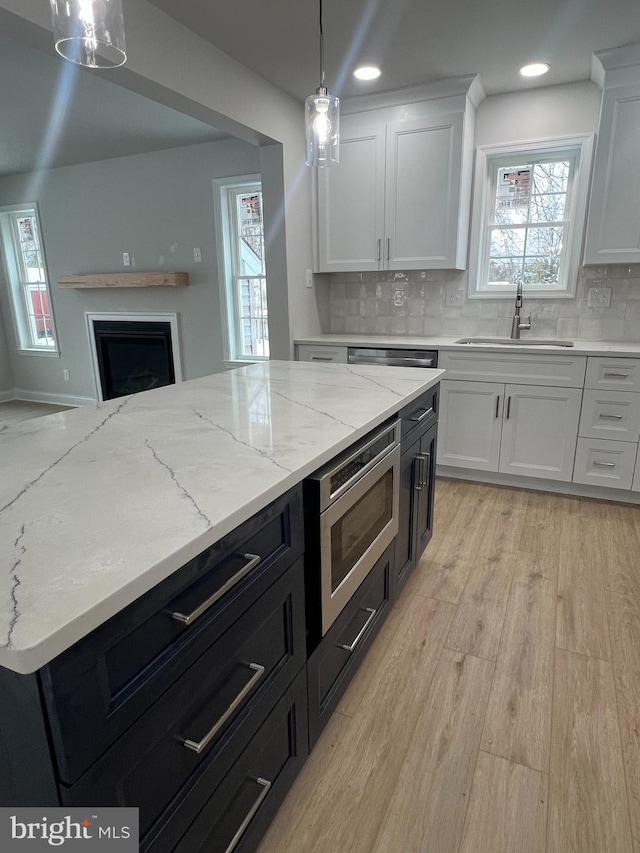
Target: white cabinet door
(613, 229)
(470, 424)
(539, 433)
(321, 352)
(350, 200)
(422, 202)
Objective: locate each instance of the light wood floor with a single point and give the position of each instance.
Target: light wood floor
(498, 711)
(16, 411)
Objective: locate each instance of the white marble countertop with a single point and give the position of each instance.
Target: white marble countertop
(621, 349)
(99, 504)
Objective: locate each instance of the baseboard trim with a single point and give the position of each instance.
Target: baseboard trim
(54, 399)
(7, 396)
(571, 489)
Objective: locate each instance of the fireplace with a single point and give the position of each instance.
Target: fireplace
(134, 354)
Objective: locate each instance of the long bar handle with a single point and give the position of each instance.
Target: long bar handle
(351, 647)
(199, 745)
(388, 247)
(189, 619)
(508, 407)
(597, 464)
(419, 473)
(426, 469)
(497, 405)
(321, 358)
(610, 417)
(424, 415)
(265, 784)
(379, 249)
(616, 375)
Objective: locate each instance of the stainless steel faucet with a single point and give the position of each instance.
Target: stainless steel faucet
(517, 324)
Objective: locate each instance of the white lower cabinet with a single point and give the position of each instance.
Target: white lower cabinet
(322, 353)
(602, 462)
(526, 430)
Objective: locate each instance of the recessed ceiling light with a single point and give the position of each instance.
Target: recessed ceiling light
(534, 69)
(367, 72)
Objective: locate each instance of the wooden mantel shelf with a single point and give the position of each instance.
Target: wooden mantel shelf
(126, 279)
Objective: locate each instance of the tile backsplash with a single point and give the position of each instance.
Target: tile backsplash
(419, 303)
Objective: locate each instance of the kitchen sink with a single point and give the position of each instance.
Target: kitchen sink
(523, 342)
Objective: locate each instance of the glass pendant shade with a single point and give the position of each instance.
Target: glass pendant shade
(89, 32)
(322, 129)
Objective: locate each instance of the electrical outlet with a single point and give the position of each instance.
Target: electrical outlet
(197, 256)
(65, 374)
(599, 297)
(454, 298)
(398, 298)
(309, 278)
(126, 259)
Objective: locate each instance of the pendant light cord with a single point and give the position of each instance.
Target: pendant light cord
(321, 48)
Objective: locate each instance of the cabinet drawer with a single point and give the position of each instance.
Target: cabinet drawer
(610, 414)
(621, 374)
(605, 463)
(419, 415)
(231, 686)
(308, 352)
(565, 371)
(242, 803)
(106, 681)
(335, 660)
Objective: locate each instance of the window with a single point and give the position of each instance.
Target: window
(27, 280)
(242, 233)
(528, 219)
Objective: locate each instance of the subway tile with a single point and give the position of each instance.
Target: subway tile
(352, 290)
(589, 329)
(352, 307)
(623, 271)
(633, 310)
(568, 327)
(398, 325)
(337, 289)
(612, 330)
(338, 308)
(570, 307)
(383, 307)
(415, 290)
(415, 307)
(383, 325)
(634, 288)
(368, 325)
(433, 307)
(631, 330)
(352, 325)
(415, 325)
(368, 307)
(433, 326)
(336, 325)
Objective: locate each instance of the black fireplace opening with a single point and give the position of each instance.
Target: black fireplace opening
(133, 356)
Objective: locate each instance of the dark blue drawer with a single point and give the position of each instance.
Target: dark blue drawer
(421, 414)
(104, 683)
(230, 688)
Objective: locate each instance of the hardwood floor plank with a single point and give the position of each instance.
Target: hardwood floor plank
(345, 808)
(623, 601)
(587, 801)
(508, 809)
(440, 574)
(518, 722)
(582, 624)
(502, 535)
(543, 522)
(478, 622)
(467, 524)
(427, 810)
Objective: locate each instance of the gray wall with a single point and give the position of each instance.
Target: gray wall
(6, 376)
(150, 205)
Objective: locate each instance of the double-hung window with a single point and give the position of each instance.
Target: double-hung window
(528, 221)
(27, 280)
(241, 232)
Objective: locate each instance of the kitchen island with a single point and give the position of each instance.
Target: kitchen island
(154, 585)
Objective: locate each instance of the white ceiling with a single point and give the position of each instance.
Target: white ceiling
(413, 41)
(53, 113)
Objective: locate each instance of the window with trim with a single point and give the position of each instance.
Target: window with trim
(242, 233)
(528, 218)
(27, 279)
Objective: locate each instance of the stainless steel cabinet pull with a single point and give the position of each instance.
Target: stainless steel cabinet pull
(320, 358)
(421, 417)
(616, 375)
(198, 746)
(498, 406)
(254, 808)
(604, 464)
(427, 469)
(508, 407)
(253, 560)
(379, 249)
(362, 630)
(419, 473)
(610, 417)
(388, 247)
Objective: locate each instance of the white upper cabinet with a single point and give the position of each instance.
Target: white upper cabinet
(399, 199)
(613, 227)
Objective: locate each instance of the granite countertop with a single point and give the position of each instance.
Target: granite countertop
(100, 504)
(629, 349)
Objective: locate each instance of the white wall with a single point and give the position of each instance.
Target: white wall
(6, 375)
(538, 113)
(175, 66)
(150, 205)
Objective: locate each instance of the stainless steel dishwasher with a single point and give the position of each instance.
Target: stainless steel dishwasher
(394, 357)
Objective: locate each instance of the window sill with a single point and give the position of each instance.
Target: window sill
(39, 352)
(509, 293)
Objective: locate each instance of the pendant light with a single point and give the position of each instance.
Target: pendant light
(322, 120)
(89, 32)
